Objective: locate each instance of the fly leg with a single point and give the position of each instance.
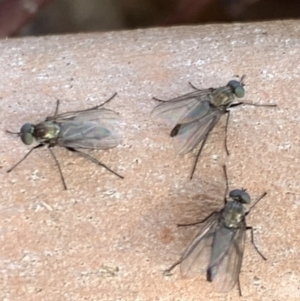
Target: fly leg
(199, 152)
(195, 88)
(239, 286)
(228, 116)
(236, 104)
(98, 106)
(57, 106)
(108, 100)
(167, 272)
(253, 243)
(101, 105)
(59, 169)
(227, 185)
(38, 146)
(199, 222)
(226, 130)
(262, 196)
(160, 100)
(88, 157)
(227, 122)
(252, 104)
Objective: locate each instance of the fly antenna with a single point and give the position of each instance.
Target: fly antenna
(242, 79)
(14, 133)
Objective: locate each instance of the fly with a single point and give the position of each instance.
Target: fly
(219, 247)
(87, 129)
(194, 115)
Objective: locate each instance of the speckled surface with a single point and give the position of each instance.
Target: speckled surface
(111, 239)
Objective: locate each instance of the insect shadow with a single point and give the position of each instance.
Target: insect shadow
(219, 247)
(194, 115)
(88, 129)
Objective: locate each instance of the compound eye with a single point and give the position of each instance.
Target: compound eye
(26, 138)
(239, 92)
(237, 88)
(240, 195)
(26, 128)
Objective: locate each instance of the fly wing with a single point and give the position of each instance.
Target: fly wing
(178, 108)
(191, 134)
(227, 266)
(197, 256)
(95, 128)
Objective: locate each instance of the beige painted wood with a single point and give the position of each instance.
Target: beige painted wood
(111, 239)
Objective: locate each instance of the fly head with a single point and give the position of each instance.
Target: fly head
(26, 133)
(237, 88)
(240, 195)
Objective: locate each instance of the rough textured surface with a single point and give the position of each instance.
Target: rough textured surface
(111, 239)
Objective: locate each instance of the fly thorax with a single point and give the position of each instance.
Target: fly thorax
(46, 130)
(221, 98)
(233, 214)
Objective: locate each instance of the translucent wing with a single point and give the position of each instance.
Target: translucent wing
(225, 268)
(197, 256)
(94, 128)
(178, 108)
(191, 134)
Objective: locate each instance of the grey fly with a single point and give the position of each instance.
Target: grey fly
(219, 247)
(87, 129)
(194, 115)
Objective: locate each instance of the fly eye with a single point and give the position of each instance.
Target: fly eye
(245, 198)
(240, 195)
(26, 138)
(239, 92)
(26, 128)
(237, 88)
(26, 133)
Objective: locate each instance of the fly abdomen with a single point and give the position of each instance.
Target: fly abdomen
(175, 130)
(211, 273)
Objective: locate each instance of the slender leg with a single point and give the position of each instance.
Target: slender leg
(262, 196)
(160, 100)
(58, 166)
(197, 89)
(38, 146)
(227, 185)
(252, 104)
(199, 222)
(98, 106)
(253, 243)
(259, 105)
(239, 286)
(198, 154)
(226, 130)
(167, 271)
(93, 160)
(57, 106)
(194, 87)
(108, 100)
(236, 104)
(10, 132)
